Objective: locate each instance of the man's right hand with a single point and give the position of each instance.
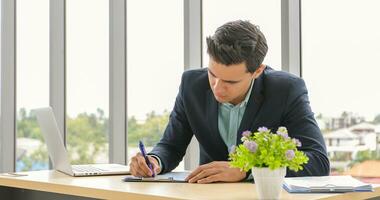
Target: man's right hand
(139, 168)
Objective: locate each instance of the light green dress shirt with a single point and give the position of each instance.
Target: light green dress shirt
(229, 119)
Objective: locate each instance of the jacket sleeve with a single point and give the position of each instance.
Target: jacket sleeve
(172, 146)
(300, 122)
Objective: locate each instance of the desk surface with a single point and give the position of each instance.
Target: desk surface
(111, 187)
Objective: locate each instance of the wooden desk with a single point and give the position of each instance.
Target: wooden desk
(111, 187)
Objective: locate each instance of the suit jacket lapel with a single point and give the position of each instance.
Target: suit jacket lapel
(212, 118)
(253, 107)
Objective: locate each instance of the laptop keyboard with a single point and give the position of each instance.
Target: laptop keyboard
(88, 168)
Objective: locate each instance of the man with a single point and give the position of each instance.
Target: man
(235, 93)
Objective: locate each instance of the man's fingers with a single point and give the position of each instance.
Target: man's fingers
(156, 166)
(199, 169)
(138, 174)
(133, 166)
(143, 167)
(204, 173)
(139, 167)
(194, 173)
(210, 179)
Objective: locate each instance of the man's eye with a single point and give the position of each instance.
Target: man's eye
(231, 83)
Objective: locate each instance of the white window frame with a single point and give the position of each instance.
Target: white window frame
(8, 86)
(291, 36)
(291, 62)
(118, 82)
(192, 60)
(57, 68)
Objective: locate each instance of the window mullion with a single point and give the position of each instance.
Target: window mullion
(192, 60)
(291, 36)
(118, 83)
(58, 64)
(8, 87)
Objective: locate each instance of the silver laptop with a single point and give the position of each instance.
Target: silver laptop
(59, 155)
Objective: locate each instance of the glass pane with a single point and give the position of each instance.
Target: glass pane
(265, 14)
(32, 54)
(155, 64)
(340, 51)
(87, 43)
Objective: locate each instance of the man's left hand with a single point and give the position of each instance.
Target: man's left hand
(217, 171)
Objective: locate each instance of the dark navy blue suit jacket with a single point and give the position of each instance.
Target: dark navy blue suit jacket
(277, 99)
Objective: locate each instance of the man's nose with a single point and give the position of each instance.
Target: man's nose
(218, 85)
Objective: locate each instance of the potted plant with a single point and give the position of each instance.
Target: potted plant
(268, 154)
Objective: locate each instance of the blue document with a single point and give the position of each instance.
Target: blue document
(177, 177)
(323, 184)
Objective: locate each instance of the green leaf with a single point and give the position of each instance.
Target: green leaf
(271, 152)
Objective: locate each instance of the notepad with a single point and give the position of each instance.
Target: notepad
(178, 177)
(323, 184)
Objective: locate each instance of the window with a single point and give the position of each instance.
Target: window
(32, 54)
(87, 67)
(0, 66)
(265, 14)
(155, 64)
(340, 51)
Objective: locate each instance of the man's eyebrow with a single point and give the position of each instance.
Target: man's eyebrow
(227, 81)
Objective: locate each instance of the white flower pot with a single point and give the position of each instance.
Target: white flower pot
(268, 182)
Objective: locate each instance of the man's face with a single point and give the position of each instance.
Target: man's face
(230, 83)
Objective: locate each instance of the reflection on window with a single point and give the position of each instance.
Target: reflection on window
(32, 53)
(87, 50)
(155, 64)
(340, 51)
(265, 14)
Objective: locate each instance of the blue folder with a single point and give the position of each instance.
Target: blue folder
(325, 184)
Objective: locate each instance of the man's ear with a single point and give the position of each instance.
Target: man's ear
(259, 71)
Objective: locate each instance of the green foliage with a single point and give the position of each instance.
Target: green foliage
(341, 156)
(377, 119)
(365, 155)
(27, 126)
(87, 135)
(266, 149)
(150, 131)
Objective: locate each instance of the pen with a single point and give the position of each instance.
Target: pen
(143, 152)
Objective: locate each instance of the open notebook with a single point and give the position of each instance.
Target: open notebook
(178, 177)
(321, 184)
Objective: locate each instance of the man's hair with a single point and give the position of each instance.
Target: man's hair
(236, 42)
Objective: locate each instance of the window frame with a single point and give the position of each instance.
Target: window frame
(8, 86)
(290, 53)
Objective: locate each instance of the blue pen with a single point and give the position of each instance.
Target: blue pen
(143, 152)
